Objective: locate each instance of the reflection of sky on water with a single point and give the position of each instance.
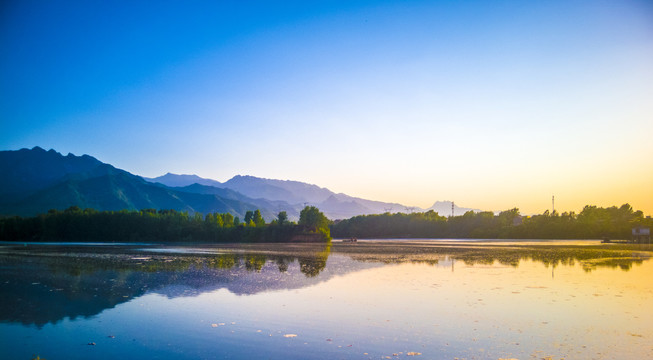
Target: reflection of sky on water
(443, 310)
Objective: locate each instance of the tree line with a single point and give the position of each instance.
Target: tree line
(591, 223)
(150, 225)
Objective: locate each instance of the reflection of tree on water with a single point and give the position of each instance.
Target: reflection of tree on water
(624, 264)
(312, 266)
(311, 263)
(255, 262)
(223, 261)
(588, 257)
(282, 264)
(38, 287)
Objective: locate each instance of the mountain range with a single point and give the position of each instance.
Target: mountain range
(35, 180)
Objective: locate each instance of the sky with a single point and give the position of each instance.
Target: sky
(491, 104)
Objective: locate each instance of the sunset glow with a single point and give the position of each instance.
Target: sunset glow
(493, 105)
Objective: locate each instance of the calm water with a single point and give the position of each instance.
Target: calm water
(371, 300)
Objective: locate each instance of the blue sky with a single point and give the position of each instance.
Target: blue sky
(491, 104)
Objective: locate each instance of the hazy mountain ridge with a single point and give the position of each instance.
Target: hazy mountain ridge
(295, 193)
(292, 192)
(174, 180)
(39, 180)
(335, 206)
(36, 180)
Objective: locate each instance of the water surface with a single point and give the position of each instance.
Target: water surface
(370, 300)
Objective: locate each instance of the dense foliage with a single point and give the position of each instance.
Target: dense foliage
(591, 223)
(314, 221)
(75, 224)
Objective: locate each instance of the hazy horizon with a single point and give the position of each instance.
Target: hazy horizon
(490, 105)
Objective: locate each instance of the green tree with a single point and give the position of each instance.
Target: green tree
(282, 218)
(312, 217)
(314, 220)
(258, 218)
(197, 218)
(249, 215)
(228, 220)
(507, 217)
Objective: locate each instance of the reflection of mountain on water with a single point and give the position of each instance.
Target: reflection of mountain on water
(249, 278)
(46, 289)
(41, 285)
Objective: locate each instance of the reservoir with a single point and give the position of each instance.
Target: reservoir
(429, 299)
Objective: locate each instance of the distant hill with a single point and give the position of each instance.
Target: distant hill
(35, 180)
(286, 190)
(175, 180)
(294, 193)
(444, 208)
(24, 172)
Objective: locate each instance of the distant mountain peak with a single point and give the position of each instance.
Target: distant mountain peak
(443, 207)
(332, 200)
(181, 180)
(441, 202)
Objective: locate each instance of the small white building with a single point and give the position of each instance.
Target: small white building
(641, 234)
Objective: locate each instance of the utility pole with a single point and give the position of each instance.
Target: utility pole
(553, 204)
(452, 209)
